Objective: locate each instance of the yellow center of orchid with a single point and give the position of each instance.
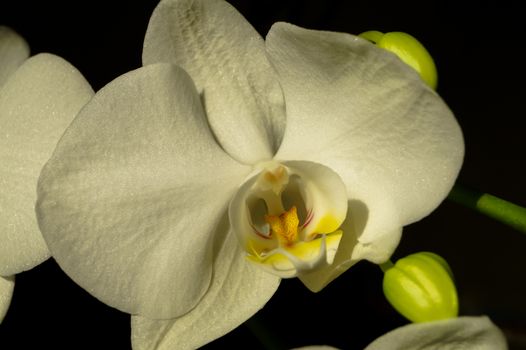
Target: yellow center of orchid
(292, 241)
(285, 226)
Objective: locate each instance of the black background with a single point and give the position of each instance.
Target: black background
(478, 48)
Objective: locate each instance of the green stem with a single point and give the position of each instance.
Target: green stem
(264, 334)
(494, 207)
(386, 265)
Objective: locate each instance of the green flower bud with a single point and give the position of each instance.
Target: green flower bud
(420, 287)
(409, 50)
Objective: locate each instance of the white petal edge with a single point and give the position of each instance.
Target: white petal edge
(362, 112)
(7, 284)
(226, 58)
(37, 103)
(14, 50)
(462, 333)
(129, 202)
(237, 291)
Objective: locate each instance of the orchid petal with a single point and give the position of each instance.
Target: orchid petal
(362, 112)
(237, 291)
(37, 103)
(7, 284)
(226, 58)
(131, 198)
(463, 333)
(13, 52)
(367, 115)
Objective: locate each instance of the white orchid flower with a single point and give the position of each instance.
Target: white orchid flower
(185, 190)
(39, 96)
(462, 333)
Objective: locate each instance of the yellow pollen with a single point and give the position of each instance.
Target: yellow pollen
(285, 226)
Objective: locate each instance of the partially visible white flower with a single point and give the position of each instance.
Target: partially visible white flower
(463, 333)
(13, 52)
(39, 96)
(182, 184)
(7, 285)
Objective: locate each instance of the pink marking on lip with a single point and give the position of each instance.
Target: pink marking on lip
(310, 215)
(259, 233)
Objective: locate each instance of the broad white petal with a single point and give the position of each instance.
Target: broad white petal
(130, 201)
(36, 105)
(237, 291)
(362, 112)
(225, 56)
(13, 52)
(463, 333)
(352, 103)
(7, 284)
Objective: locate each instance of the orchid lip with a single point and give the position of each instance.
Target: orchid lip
(285, 221)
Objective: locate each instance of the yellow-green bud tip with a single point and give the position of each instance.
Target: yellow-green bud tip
(420, 287)
(409, 50)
